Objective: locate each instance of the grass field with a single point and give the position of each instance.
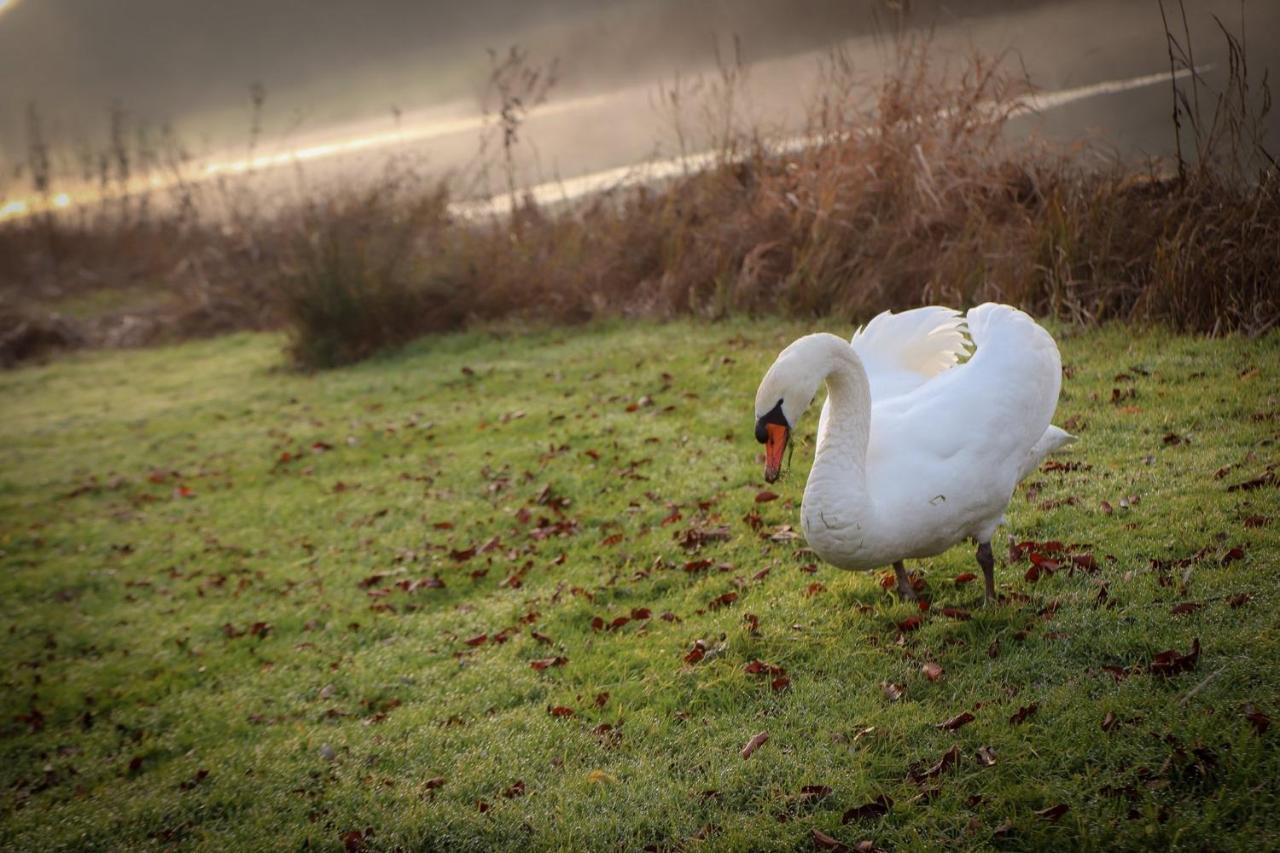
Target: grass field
(453, 599)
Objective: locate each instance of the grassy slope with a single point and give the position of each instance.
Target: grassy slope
(114, 602)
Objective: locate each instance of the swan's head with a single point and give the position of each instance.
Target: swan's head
(785, 392)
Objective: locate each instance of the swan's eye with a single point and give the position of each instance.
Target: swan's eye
(774, 416)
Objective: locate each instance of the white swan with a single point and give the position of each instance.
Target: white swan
(915, 452)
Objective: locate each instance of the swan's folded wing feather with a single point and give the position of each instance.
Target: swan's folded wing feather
(901, 352)
(982, 419)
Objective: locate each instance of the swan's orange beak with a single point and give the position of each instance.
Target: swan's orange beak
(776, 436)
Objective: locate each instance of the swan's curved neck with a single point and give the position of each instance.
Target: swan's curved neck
(843, 444)
(838, 479)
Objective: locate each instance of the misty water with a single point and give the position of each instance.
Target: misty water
(348, 89)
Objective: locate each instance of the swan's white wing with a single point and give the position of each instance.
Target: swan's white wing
(903, 351)
(964, 438)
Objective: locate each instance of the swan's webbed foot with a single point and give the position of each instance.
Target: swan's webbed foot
(988, 563)
(905, 592)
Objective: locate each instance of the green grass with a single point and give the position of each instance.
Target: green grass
(116, 589)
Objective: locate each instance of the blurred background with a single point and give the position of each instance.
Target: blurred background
(237, 79)
(361, 174)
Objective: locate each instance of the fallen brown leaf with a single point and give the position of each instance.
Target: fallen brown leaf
(876, 808)
(1260, 721)
(961, 719)
(1022, 713)
(949, 758)
(911, 623)
(755, 743)
(1171, 662)
(822, 841)
(1052, 813)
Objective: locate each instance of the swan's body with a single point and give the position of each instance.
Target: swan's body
(914, 451)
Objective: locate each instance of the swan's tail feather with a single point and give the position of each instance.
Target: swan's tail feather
(1053, 440)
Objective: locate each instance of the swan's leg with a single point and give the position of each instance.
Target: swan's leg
(988, 563)
(905, 592)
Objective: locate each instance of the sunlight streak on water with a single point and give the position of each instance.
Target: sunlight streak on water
(551, 192)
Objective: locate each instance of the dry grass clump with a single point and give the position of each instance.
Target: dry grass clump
(916, 196)
(366, 272)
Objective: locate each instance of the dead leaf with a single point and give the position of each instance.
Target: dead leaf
(876, 808)
(1232, 555)
(949, 758)
(723, 600)
(1268, 479)
(961, 719)
(544, 663)
(765, 496)
(755, 743)
(1260, 721)
(757, 667)
(1052, 813)
(1171, 662)
(892, 692)
(697, 653)
(1085, 563)
(987, 756)
(931, 671)
(911, 623)
(1109, 722)
(822, 841)
(813, 793)
(1023, 713)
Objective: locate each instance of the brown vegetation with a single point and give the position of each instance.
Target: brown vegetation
(916, 197)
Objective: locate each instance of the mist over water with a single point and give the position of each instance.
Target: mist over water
(322, 61)
(340, 79)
